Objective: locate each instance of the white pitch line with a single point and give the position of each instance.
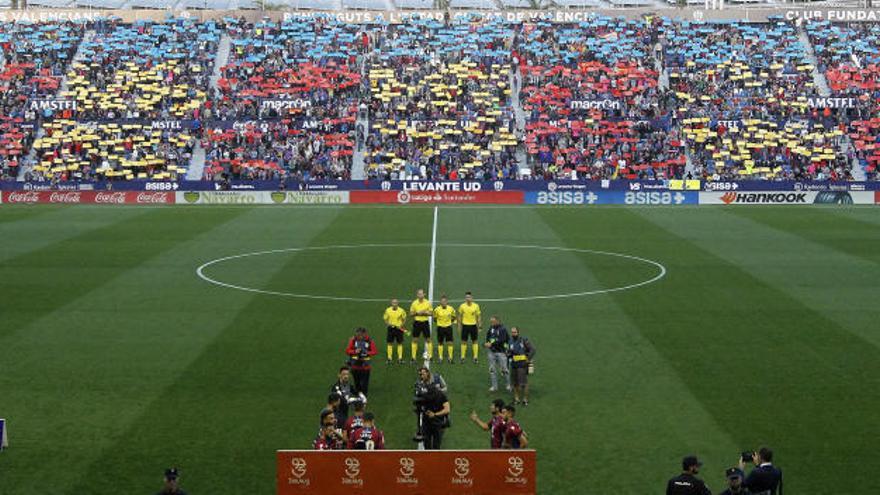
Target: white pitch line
(431, 280)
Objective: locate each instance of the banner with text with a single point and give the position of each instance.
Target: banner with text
(611, 198)
(88, 197)
(380, 472)
(263, 197)
(787, 198)
(437, 197)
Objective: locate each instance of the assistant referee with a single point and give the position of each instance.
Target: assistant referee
(470, 320)
(421, 311)
(394, 318)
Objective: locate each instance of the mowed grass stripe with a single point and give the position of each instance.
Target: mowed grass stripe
(259, 384)
(836, 284)
(77, 372)
(601, 386)
(17, 213)
(40, 226)
(824, 226)
(767, 365)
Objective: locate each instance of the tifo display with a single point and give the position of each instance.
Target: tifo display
(470, 98)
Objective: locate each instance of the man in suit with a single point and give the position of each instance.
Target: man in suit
(765, 479)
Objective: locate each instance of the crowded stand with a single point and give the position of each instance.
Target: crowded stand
(440, 104)
(744, 95)
(849, 56)
(287, 99)
(35, 57)
(474, 96)
(593, 105)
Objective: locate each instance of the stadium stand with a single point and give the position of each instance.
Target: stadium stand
(299, 79)
(468, 96)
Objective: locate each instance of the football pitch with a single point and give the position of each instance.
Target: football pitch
(659, 332)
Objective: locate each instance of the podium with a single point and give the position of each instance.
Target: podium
(422, 472)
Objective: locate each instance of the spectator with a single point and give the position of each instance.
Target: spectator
(765, 478)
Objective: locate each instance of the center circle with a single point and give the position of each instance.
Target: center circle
(658, 268)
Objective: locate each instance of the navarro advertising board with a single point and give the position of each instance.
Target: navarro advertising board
(424, 472)
(633, 198)
(262, 197)
(437, 197)
(89, 197)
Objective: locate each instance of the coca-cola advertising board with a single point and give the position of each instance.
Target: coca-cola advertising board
(88, 197)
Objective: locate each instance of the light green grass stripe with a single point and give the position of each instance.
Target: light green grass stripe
(601, 384)
(837, 285)
(43, 225)
(80, 375)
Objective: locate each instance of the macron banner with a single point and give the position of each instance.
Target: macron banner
(611, 198)
(423, 472)
(88, 197)
(437, 197)
(263, 197)
(787, 198)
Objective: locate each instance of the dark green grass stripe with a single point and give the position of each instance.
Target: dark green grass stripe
(42, 281)
(823, 226)
(262, 380)
(769, 369)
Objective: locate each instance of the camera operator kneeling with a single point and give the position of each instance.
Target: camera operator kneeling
(432, 406)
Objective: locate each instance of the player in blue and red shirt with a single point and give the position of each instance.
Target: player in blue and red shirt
(514, 436)
(328, 439)
(367, 437)
(495, 426)
(354, 422)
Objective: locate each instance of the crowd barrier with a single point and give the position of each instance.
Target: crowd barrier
(438, 193)
(379, 472)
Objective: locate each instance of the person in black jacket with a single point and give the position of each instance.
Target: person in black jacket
(687, 482)
(765, 479)
(735, 485)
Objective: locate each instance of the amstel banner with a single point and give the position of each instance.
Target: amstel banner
(423, 472)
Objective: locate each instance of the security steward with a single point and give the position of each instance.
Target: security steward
(687, 482)
(360, 350)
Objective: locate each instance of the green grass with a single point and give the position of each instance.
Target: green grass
(117, 361)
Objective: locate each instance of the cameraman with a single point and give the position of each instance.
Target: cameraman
(433, 409)
(765, 479)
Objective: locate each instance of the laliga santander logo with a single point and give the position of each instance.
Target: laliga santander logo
(386, 185)
(403, 197)
(352, 467)
(517, 466)
(298, 467)
(499, 185)
(407, 467)
(728, 197)
(462, 467)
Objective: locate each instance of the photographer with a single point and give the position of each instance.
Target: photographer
(765, 479)
(432, 408)
(360, 350)
(346, 391)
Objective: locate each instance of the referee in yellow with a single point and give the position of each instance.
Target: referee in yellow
(470, 321)
(421, 311)
(394, 317)
(444, 317)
